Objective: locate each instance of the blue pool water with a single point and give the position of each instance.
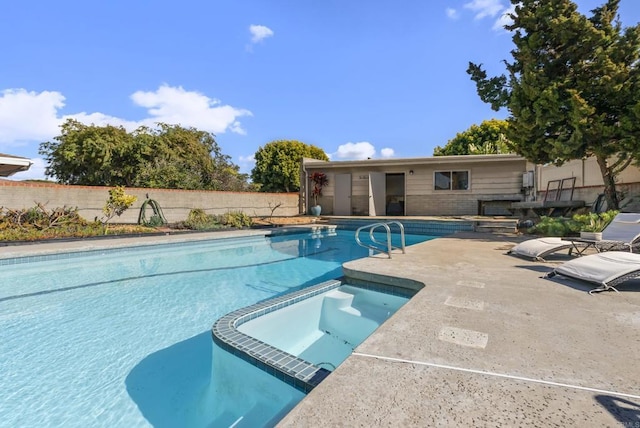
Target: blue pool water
(122, 338)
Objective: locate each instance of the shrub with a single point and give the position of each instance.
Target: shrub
(236, 219)
(561, 226)
(117, 203)
(554, 226)
(38, 222)
(593, 222)
(198, 219)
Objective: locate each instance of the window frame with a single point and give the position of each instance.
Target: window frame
(451, 172)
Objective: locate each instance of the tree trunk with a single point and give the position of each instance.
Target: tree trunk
(609, 178)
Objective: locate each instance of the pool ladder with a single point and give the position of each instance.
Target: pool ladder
(381, 246)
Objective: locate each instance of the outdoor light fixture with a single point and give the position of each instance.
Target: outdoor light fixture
(410, 172)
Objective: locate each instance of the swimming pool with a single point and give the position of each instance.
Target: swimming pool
(121, 338)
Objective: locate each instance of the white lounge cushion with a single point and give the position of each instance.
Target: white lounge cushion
(539, 247)
(601, 268)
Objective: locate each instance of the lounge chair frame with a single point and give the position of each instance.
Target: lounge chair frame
(610, 278)
(623, 233)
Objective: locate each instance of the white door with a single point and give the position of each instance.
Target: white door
(377, 193)
(342, 194)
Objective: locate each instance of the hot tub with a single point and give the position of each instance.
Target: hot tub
(301, 337)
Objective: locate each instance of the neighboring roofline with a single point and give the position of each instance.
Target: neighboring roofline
(312, 163)
(10, 164)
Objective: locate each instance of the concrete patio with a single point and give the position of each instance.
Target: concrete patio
(486, 342)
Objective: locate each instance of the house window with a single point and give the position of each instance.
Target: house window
(451, 180)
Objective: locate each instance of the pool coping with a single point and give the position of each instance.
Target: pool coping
(60, 250)
(295, 371)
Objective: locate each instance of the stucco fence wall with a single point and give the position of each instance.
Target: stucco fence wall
(589, 184)
(175, 204)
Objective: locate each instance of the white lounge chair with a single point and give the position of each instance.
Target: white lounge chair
(606, 269)
(623, 233)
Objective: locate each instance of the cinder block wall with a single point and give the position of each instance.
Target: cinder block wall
(441, 204)
(175, 204)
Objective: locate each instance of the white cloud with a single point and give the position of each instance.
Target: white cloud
(31, 117)
(452, 13)
(101, 119)
(174, 105)
(259, 33)
(504, 19)
(484, 8)
(28, 116)
(387, 152)
(355, 151)
(246, 163)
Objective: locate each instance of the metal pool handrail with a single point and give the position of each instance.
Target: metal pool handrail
(380, 246)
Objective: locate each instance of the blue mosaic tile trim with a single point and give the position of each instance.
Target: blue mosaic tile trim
(393, 290)
(293, 370)
(414, 227)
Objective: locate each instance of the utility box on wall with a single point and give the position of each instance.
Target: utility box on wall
(527, 180)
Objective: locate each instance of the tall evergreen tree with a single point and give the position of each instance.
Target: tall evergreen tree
(573, 87)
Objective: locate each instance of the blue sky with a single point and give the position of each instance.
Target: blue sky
(376, 78)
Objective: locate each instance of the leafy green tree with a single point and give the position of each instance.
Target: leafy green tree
(169, 156)
(487, 138)
(89, 155)
(277, 166)
(573, 87)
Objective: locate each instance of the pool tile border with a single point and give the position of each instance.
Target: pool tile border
(66, 255)
(418, 227)
(293, 370)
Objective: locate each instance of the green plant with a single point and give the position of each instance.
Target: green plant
(117, 203)
(39, 218)
(553, 226)
(198, 219)
(39, 223)
(156, 219)
(236, 219)
(562, 226)
(319, 180)
(594, 222)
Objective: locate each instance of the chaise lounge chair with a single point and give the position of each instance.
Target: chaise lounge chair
(606, 269)
(623, 233)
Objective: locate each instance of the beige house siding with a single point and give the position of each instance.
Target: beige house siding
(491, 179)
(495, 182)
(588, 179)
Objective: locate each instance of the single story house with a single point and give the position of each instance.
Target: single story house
(439, 185)
(458, 185)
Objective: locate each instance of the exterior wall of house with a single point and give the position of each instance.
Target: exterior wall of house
(175, 204)
(495, 182)
(587, 173)
(588, 179)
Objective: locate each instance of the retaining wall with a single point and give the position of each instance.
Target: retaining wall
(175, 204)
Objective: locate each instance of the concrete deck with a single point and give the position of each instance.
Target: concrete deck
(487, 342)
